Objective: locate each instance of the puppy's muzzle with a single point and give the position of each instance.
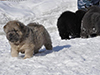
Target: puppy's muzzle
(12, 37)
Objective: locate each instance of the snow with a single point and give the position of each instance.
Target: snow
(68, 57)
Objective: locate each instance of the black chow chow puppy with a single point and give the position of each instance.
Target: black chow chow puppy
(91, 23)
(69, 24)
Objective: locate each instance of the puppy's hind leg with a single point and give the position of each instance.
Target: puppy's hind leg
(47, 41)
(48, 46)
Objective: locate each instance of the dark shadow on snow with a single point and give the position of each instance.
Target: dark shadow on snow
(58, 48)
(44, 52)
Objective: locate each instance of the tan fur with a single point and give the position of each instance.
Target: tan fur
(32, 38)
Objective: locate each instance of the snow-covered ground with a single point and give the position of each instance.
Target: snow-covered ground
(68, 57)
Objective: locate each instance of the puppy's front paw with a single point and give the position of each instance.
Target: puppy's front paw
(14, 53)
(27, 57)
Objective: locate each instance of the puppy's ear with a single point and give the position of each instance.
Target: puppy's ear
(18, 23)
(21, 25)
(4, 27)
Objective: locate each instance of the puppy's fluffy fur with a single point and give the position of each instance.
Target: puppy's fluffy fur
(69, 24)
(27, 39)
(90, 26)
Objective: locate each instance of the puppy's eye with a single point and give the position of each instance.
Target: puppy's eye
(15, 30)
(83, 30)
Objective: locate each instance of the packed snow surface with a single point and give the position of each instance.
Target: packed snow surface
(68, 57)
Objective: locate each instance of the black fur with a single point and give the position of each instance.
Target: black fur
(91, 23)
(69, 24)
